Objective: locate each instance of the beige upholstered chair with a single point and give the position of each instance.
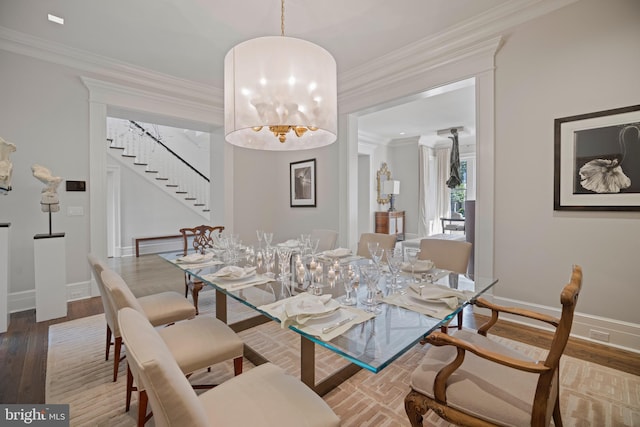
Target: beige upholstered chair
(199, 238)
(194, 344)
(452, 255)
(263, 396)
(161, 309)
(327, 239)
(469, 379)
(385, 241)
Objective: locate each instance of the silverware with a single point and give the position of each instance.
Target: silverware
(337, 324)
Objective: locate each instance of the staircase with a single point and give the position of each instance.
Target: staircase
(153, 160)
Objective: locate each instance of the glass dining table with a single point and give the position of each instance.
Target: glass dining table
(371, 345)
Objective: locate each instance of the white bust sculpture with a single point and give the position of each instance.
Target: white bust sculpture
(50, 201)
(6, 167)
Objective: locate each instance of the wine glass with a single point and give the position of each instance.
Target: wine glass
(372, 246)
(376, 255)
(313, 246)
(260, 235)
(268, 255)
(394, 261)
(284, 261)
(348, 277)
(412, 256)
(268, 237)
(371, 274)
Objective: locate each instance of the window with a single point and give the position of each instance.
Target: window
(459, 193)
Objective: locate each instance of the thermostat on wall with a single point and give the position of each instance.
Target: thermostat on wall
(76, 186)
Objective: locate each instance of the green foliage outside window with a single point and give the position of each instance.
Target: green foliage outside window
(458, 194)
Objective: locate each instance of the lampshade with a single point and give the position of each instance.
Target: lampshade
(280, 93)
(391, 187)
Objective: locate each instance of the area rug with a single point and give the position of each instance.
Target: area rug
(77, 374)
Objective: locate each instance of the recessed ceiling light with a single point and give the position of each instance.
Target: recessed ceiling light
(56, 19)
(402, 133)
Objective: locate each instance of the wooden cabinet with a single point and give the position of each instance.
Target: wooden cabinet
(390, 223)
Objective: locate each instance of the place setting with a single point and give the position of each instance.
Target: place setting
(317, 315)
(427, 297)
(232, 277)
(197, 260)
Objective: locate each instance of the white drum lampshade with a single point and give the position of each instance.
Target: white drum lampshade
(280, 93)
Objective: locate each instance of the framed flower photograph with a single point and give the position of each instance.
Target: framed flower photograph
(597, 161)
(302, 183)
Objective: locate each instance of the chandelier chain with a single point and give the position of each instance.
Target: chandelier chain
(282, 18)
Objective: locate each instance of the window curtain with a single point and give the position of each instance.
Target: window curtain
(434, 195)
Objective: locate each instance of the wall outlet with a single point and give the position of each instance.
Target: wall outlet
(599, 335)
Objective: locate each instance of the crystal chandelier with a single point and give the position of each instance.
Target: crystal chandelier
(280, 93)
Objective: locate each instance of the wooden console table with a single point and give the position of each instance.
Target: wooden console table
(390, 223)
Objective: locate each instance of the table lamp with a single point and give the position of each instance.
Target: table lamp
(391, 187)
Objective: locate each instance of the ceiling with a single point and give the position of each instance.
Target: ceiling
(188, 39)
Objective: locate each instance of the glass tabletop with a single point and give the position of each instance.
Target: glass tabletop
(373, 344)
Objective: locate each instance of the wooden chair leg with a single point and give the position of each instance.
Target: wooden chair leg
(106, 356)
(142, 408)
(237, 365)
(194, 293)
(445, 328)
(129, 388)
(415, 408)
(557, 418)
(116, 357)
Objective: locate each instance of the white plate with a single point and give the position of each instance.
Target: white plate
(414, 295)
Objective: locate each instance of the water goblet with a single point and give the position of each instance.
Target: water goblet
(412, 256)
(371, 275)
(260, 235)
(376, 255)
(394, 261)
(348, 278)
(268, 237)
(268, 255)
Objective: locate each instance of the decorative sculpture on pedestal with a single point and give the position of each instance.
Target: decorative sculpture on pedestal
(50, 201)
(6, 167)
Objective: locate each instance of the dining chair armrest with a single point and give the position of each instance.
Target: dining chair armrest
(441, 339)
(496, 309)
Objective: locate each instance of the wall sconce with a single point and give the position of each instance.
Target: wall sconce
(392, 188)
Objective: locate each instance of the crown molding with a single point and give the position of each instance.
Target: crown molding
(478, 35)
(107, 68)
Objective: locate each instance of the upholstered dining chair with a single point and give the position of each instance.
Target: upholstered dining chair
(327, 239)
(452, 255)
(194, 344)
(161, 309)
(199, 238)
(469, 379)
(385, 241)
(262, 396)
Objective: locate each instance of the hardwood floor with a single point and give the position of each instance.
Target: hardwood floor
(23, 348)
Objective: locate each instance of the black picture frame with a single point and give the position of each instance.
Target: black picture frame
(597, 161)
(302, 184)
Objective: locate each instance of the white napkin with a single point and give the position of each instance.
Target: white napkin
(421, 266)
(436, 293)
(234, 272)
(307, 305)
(291, 243)
(338, 252)
(195, 258)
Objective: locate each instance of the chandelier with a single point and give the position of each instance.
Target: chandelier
(280, 93)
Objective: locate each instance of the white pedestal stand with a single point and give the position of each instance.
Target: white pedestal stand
(4, 276)
(51, 277)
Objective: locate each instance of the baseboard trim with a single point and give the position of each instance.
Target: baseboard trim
(26, 300)
(622, 335)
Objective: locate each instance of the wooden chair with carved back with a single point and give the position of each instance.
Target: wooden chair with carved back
(471, 380)
(199, 238)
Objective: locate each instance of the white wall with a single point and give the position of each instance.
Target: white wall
(579, 59)
(261, 193)
(45, 113)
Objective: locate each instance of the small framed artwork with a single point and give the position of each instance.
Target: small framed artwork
(302, 182)
(597, 161)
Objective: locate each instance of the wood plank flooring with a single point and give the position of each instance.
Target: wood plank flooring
(23, 348)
